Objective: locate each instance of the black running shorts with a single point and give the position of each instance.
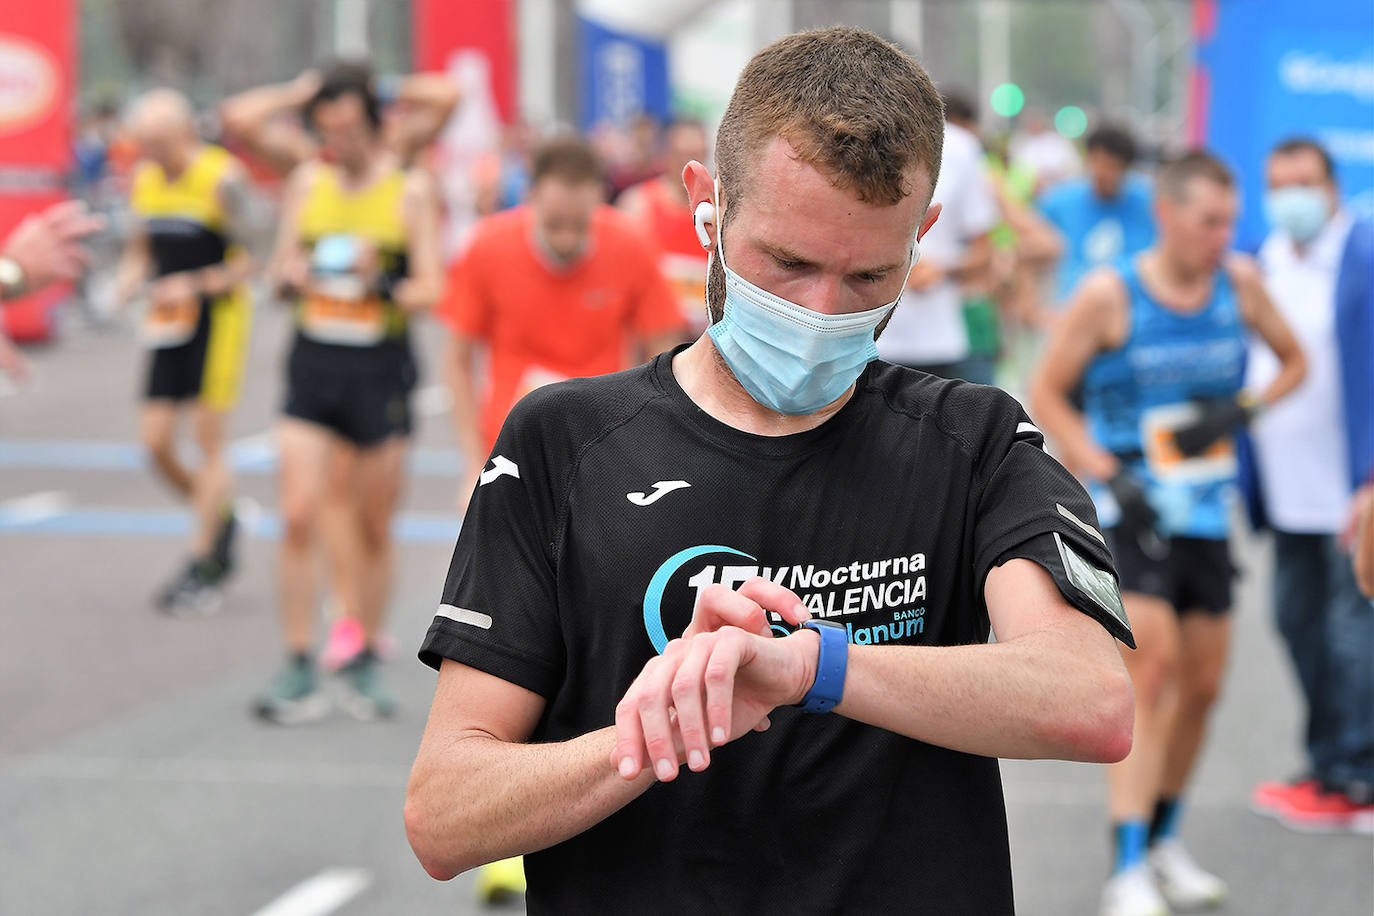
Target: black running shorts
(1194, 576)
(363, 398)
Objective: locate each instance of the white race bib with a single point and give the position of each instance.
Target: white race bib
(170, 324)
(1167, 463)
(341, 310)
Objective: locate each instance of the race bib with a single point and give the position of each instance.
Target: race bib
(341, 310)
(1169, 465)
(170, 323)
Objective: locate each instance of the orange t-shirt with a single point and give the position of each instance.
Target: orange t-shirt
(542, 324)
(681, 258)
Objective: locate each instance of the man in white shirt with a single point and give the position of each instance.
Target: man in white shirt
(927, 330)
(1312, 454)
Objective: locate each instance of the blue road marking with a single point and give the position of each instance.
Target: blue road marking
(248, 458)
(410, 528)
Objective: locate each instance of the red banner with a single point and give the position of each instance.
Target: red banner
(444, 28)
(37, 76)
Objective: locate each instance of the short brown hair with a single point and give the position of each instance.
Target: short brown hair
(851, 104)
(567, 158)
(1176, 173)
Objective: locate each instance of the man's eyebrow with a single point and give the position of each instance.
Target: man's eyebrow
(783, 253)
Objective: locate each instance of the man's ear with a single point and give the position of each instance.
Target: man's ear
(700, 190)
(932, 214)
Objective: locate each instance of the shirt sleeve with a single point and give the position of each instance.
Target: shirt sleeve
(981, 212)
(465, 307)
(1030, 507)
(499, 611)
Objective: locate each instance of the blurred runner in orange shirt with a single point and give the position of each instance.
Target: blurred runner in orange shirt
(561, 287)
(662, 207)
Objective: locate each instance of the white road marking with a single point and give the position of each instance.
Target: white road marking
(324, 893)
(36, 507)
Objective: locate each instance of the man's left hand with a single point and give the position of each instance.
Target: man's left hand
(47, 245)
(705, 691)
(1217, 417)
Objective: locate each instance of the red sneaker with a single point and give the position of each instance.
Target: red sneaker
(1269, 798)
(1316, 811)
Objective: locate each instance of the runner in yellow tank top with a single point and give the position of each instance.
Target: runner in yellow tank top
(356, 254)
(186, 197)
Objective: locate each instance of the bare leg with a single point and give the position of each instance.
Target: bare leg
(381, 473)
(1204, 640)
(1133, 784)
(304, 454)
(212, 481)
(340, 515)
(157, 429)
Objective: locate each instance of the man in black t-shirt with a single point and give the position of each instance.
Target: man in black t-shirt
(824, 530)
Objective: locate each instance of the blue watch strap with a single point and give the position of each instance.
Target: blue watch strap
(831, 664)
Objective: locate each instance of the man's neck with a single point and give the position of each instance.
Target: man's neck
(1174, 285)
(708, 381)
(186, 156)
(355, 175)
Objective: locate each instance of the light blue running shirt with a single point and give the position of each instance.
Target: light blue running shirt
(1097, 231)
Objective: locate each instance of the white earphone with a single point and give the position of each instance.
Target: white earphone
(704, 213)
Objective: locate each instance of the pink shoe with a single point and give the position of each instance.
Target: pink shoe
(1269, 798)
(344, 643)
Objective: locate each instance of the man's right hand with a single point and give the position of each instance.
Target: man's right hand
(721, 606)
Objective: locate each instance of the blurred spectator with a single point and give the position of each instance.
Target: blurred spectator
(501, 177)
(562, 287)
(1102, 217)
(636, 159)
(98, 129)
(927, 330)
(1044, 152)
(661, 206)
(1314, 457)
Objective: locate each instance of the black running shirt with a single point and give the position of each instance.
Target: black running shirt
(609, 502)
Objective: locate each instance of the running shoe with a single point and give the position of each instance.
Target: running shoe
(1132, 892)
(498, 882)
(1319, 811)
(195, 592)
(294, 696)
(1269, 798)
(363, 695)
(1181, 880)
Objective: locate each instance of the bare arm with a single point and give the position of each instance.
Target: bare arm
(238, 266)
(1053, 685)
(477, 793)
(427, 100)
(135, 262)
(458, 373)
(1260, 314)
(420, 289)
(1094, 321)
(255, 119)
(288, 269)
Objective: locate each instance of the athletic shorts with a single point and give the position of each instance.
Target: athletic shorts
(1195, 575)
(209, 367)
(360, 395)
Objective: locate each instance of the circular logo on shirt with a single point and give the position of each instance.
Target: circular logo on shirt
(1104, 242)
(28, 83)
(681, 578)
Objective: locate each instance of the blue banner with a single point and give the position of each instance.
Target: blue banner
(1291, 68)
(622, 75)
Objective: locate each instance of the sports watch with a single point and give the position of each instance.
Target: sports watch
(12, 280)
(828, 689)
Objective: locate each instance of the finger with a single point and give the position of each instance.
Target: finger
(719, 677)
(763, 724)
(773, 597)
(628, 756)
(720, 606)
(652, 703)
(687, 688)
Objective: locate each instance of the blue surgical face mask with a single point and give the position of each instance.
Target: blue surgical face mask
(1298, 210)
(788, 357)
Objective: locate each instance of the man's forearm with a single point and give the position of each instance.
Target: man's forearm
(1033, 697)
(481, 799)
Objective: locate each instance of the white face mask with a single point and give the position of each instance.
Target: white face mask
(790, 358)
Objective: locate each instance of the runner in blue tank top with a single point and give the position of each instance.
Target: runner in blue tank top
(1158, 344)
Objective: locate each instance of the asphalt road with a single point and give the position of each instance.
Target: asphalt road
(133, 780)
